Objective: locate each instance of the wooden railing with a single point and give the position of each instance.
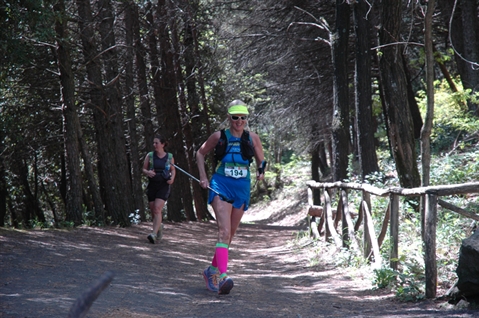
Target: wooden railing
(371, 244)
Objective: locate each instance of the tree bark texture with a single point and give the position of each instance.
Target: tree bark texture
(167, 104)
(462, 19)
(315, 162)
(185, 128)
(71, 122)
(470, 32)
(142, 82)
(194, 120)
(3, 181)
(107, 114)
(395, 102)
(130, 91)
(118, 161)
(340, 124)
(427, 127)
(362, 84)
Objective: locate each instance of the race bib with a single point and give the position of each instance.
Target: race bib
(236, 172)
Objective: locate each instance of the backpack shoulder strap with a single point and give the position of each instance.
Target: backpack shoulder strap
(247, 148)
(246, 136)
(226, 134)
(220, 148)
(150, 154)
(168, 162)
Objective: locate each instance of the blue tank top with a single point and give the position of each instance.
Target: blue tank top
(233, 165)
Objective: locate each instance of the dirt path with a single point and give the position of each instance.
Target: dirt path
(42, 272)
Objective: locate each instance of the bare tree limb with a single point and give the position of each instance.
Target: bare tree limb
(81, 306)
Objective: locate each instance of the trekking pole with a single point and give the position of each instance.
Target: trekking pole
(224, 198)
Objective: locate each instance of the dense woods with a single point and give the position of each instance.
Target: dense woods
(87, 84)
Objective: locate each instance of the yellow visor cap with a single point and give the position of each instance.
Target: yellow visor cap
(238, 110)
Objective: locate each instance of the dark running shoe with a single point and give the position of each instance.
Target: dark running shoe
(152, 238)
(211, 279)
(225, 285)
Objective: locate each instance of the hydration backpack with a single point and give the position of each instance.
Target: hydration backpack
(246, 147)
(166, 171)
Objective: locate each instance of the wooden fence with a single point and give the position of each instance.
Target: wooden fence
(371, 244)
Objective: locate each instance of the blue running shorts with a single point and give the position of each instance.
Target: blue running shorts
(235, 189)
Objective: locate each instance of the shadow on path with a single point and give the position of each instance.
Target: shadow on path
(42, 272)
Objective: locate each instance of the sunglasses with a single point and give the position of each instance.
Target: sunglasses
(235, 118)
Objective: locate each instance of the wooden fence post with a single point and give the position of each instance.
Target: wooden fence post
(394, 230)
(343, 196)
(348, 227)
(430, 200)
(367, 237)
(368, 223)
(430, 220)
(327, 214)
(330, 230)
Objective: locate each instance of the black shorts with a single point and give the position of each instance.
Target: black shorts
(158, 190)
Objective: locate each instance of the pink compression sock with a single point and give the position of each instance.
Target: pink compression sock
(221, 257)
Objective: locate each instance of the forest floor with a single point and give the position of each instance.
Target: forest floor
(43, 272)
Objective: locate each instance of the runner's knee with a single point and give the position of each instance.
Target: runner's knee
(224, 235)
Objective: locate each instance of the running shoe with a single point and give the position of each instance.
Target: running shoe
(211, 279)
(159, 235)
(152, 238)
(225, 285)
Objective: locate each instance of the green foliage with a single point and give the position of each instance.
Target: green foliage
(453, 124)
(36, 224)
(406, 284)
(385, 277)
(455, 168)
(346, 257)
(409, 289)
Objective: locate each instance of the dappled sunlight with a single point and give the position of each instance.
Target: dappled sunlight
(10, 295)
(150, 289)
(111, 231)
(138, 248)
(46, 271)
(52, 300)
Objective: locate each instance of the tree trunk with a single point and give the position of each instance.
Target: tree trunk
(167, 109)
(464, 29)
(113, 169)
(130, 92)
(119, 161)
(427, 127)
(394, 92)
(368, 160)
(32, 210)
(340, 124)
(194, 119)
(470, 33)
(141, 73)
(93, 188)
(184, 126)
(3, 180)
(413, 106)
(38, 213)
(70, 119)
(315, 162)
(195, 92)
